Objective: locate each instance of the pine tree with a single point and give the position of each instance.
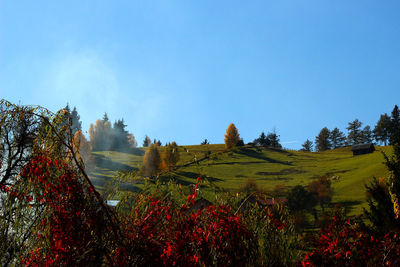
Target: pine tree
(273, 139)
(337, 138)
(384, 196)
(119, 136)
(232, 136)
(394, 136)
(307, 146)
(146, 141)
(322, 140)
(205, 142)
(105, 117)
(67, 108)
(262, 140)
(393, 165)
(380, 207)
(382, 129)
(367, 135)
(76, 123)
(152, 161)
(73, 119)
(354, 136)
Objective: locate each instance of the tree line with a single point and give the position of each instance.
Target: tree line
(386, 131)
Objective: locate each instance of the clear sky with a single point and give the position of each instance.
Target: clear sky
(184, 70)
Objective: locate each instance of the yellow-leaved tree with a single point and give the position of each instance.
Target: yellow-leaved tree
(100, 135)
(152, 161)
(171, 155)
(232, 136)
(81, 145)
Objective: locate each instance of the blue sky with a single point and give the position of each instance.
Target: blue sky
(184, 70)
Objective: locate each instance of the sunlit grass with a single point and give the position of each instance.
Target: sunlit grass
(268, 167)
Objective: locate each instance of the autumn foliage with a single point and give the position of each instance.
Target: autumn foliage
(51, 214)
(152, 161)
(171, 155)
(232, 136)
(345, 243)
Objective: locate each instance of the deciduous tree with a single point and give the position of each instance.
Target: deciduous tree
(322, 189)
(132, 141)
(171, 155)
(232, 136)
(82, 146)
(152, 161)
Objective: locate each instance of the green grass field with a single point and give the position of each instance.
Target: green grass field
(268, 167)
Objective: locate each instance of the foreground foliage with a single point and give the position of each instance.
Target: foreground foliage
(51, 214)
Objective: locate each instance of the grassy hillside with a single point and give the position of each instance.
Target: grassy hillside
(268, 167)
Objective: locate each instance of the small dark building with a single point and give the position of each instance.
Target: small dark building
(362, 149)
(200, 203)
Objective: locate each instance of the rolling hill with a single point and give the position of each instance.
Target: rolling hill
(269, 168)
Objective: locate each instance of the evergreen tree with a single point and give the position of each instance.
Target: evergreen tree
(232, 136)
(380, 207)
(146, 141)
(394, 136)
(205, 142)
(105, 117)
(307, 146)
(383, 201)
(72, 118)
(105, 137)
(382, 129)
(76, 123)
(262, 140)
(322, 140)
(393, 165)
(67, 108)
(273, 139)
(119, 136)
(337, 138)
(355, 135)
(367, 135)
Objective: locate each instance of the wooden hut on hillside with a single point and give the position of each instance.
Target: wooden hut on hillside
(249, 201)
(362, 149)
